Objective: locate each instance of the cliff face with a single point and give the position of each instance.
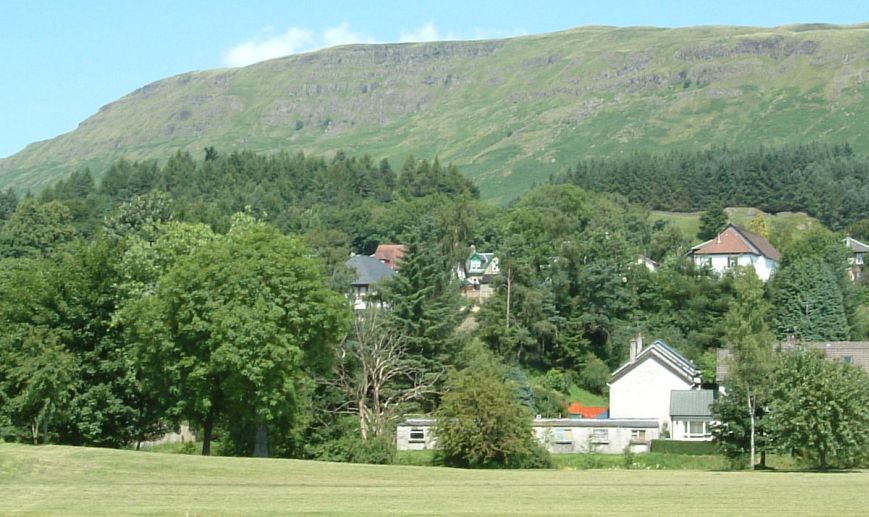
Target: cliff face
(508, 112)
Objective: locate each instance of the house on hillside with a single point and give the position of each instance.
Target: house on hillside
(390, 254)
(735, 246)
(856, 261)
(478, 274)
(853, 352)
(642, 387)
(369, 273)
(651, 265)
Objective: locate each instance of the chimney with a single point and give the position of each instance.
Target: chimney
(632, 349)
(639, 339)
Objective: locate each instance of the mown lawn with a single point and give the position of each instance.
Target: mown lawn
(54, 480)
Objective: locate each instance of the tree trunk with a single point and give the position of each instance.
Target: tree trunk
(509, 287)
(751, 415)
(822, 458)
(207, 430)
(34, 431)
(261, 441)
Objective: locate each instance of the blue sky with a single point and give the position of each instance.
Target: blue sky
(64, 59)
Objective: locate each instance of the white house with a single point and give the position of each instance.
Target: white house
(735, 246)
(641, 388)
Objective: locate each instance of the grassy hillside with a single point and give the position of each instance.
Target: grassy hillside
(73, 481)
(781, 224)
(508, 112)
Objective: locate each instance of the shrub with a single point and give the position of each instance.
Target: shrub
(684, 447)
(481, 424)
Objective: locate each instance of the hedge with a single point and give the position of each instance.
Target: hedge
(684, 447)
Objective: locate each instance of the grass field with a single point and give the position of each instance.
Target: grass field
(54, 480)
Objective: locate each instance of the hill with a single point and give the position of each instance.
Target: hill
(781, 223)
(53, 480)
(508, 112)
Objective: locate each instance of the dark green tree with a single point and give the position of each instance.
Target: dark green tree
(712, 221)
(808, 302)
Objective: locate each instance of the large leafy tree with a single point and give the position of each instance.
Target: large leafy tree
(242, 324)
(819, 409)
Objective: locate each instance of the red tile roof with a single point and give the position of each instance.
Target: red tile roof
(736, 240)
(576, 408)
(390, 254)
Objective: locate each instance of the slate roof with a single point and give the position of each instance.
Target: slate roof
(855, 352)
(691, 403)
(629, 423)
(856, 246)
(735, 240)
(369, 270)
(667, 355)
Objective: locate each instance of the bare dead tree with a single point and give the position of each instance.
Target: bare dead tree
(377, 375)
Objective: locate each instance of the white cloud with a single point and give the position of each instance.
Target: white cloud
(267, 45)
(427, 32)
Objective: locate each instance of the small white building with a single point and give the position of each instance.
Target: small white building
(691, 414)
(735, 246)
(856, 261)
(641, 388)
(557, 435)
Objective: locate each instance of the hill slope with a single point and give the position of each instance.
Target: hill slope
(508, 112)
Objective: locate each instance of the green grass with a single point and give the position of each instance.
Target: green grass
(586, 398)
(70, 481)
(782, 225)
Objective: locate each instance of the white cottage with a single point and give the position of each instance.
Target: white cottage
(736, 246)
(642, 387)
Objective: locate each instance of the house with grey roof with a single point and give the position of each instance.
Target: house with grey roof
(369, 273)
(641, 388)
(691, 414)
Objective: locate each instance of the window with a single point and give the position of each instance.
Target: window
(858, 258)
(638, 435)
(417, 435)
(732, 261)
(563, 436)
(697, 429)
(600, 436)
(848, 359)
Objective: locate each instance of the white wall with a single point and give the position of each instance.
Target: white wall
(644, 392)
(763, 266)
(583, 439)
(404, 442)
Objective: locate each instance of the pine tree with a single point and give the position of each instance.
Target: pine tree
(712, 221)
(809, 302)
(424, 299)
